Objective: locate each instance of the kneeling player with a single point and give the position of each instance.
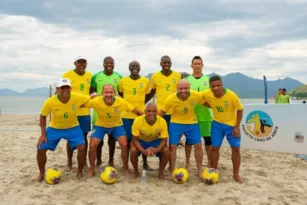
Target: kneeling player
(149, 138)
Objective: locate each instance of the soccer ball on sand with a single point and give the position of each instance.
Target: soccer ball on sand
(210, 176)
(180, 175)
(52, 176)
(108, 175)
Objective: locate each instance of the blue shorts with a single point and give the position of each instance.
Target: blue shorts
(191, 131)
(116, 132)
(167, 118)
(154, 144)
(128, 125)
(74, 136)
(219, 130)
(85, 123)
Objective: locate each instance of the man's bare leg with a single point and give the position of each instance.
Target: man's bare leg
(145, 164)
(215, 157)
(134, 160)
(94, 144)
(69, 157)
(41, 158)
(173, 157)
(111, 143)
(81, 160)
(236, 160)
(122, 140)
(199, 158)
(163, 162)
(208, 149)
(188, 150)
(85, 149)
(99, 151)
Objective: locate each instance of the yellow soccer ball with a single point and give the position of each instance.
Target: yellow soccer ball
(108, 175)
(53, 176)
(180, 175)
(210, 176)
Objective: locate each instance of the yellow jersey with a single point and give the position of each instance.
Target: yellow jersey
(149, 133)
(109, 116)
(164, 85)
(134, 93)
(183, 111)
(64, 115)
(224, 108)
(80, 84)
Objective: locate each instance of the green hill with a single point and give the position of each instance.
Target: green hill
(299, 92)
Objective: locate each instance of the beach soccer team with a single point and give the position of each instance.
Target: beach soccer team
(195, 106)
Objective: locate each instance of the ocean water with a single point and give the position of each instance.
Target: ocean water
(33, 105)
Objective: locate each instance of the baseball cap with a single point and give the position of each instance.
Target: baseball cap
(63, 82)
(80, 58)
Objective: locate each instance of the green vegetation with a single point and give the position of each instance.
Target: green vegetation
(299, 92)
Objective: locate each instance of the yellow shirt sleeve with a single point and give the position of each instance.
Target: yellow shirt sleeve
(84, 99)
(236, 102)
(91, 103)
(164, 130)
(153, 82)
(135, 130)
(121, 86)
(147, 89)
(46, 109)
(167, 104)
(127, 106)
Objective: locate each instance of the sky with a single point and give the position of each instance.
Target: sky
(40, 39)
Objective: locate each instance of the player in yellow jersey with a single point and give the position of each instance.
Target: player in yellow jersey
(227, 112)
(150, 136)
(183, 121)
(164, 83)
(135, 89)
(109, 108)
(80, 83)
(64, 125)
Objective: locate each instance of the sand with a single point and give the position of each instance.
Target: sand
(273, 178)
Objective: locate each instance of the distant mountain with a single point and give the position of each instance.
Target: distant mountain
(300, 92)
(244, 86)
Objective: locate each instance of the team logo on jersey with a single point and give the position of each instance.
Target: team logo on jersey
(141, 85)
(158, 131)
(116, 109)
(115, 80)
(192, 103)
(205, 83)
(174, 80)
(73, 107)
(226, 103)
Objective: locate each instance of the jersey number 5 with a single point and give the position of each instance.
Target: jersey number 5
(108, 115)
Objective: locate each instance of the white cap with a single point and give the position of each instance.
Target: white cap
(63, 82)
(80, 58)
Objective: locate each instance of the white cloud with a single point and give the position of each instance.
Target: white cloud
(31, 50)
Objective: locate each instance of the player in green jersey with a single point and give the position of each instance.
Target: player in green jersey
(200, 82)
(107, 76)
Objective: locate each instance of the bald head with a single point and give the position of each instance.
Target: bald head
(133, 63)
(183, 89)
(183, 82)
(134, 68)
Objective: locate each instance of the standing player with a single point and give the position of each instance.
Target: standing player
(150, 138)
(64, 125)
(135, 89)
(227, 112)
(200, 82)
(164, 83)
(109, 108)
(100, 79)
(80, 83)
(183, 121)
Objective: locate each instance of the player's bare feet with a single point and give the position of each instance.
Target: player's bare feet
(163, 177)
(126, 173)
(147, 167)
(68, 167)
(239, 179)
(40, 178)
(199, 174)
(79, 175)
(90, 173)
(188, 165)
(136, 174)
(98, 163)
